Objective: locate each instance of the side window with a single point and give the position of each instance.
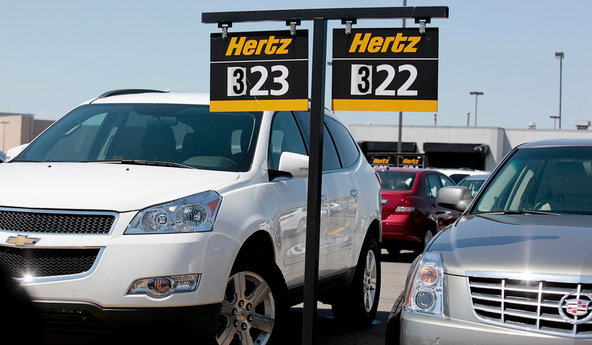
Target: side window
(347, 148)
(330, 157)
(445, 181)
(433, 185)
(285, 137)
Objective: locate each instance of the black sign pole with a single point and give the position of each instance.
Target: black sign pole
(315, 167)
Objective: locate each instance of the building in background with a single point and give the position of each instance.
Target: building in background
(478, 148)
(17, 129)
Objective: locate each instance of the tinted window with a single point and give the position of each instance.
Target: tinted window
(330, 157)
(285, 137)
(554, 179)
(445, 181)
(177, 133)
(433, 185)
(396, 180)
(347, 148)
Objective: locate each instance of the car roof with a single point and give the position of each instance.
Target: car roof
(558, 142)
(415, 170)
(164, 97)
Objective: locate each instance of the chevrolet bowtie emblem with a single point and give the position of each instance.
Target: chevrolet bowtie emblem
(21, 240)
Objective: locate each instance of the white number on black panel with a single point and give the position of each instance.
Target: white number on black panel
(361, 80)
(237, 84)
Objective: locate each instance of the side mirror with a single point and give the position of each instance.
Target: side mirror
(294, 163)
(454, 197)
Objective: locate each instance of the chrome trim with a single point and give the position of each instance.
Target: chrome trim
(36, 280)
(64, 212)
(510, 306)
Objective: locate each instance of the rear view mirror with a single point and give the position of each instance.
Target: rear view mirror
(454, 197)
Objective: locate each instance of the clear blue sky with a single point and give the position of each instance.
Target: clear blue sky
(56, 54)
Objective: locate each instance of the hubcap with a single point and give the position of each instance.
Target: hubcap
(248, 311)
(369, 283)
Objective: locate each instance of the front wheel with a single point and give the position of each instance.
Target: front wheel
(358, 303)
(252, 309)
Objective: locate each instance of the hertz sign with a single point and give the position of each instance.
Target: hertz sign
(258, 71)
(385, 70)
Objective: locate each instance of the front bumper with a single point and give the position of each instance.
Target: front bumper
(85, 317)
(419, 329)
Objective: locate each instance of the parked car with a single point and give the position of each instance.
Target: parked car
(473, 182)
(457, 175)
(516, 267)
(144, 212)
(410, 216)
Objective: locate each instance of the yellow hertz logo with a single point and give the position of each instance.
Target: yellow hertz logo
(268, 46)
(379, 44)
(413, 161)
(21, 240)
(381, 161)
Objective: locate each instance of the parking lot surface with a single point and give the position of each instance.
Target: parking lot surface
(330, 332)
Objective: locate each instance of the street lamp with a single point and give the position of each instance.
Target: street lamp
(476, 93)
(559, 55)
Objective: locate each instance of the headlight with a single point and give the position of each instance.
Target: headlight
(194, 213)
(427, 292)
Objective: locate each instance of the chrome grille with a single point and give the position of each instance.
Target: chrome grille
(58, 222)
(42, 262)
(532, 305)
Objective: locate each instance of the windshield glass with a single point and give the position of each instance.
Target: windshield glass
(176, 133)
(396, 180)
(550, 179)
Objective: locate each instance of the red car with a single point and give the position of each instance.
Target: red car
(410, 216)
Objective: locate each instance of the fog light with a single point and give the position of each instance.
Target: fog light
(425, 299)
(160, 286)
(164, 286)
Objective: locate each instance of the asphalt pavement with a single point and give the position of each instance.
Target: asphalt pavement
(330, 332)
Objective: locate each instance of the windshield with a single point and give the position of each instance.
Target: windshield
(549, 179)
(396, 180)
(176, 133)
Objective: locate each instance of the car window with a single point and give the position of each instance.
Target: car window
(473, 185)
(556, 179)
(433, 185)
(285, 137)
(396, 180)
(176, 133)
(346, 146)
(445, 181)
(330, 157)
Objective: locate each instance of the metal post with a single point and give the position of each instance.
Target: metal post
(400, 142)
(560, 55)
(477, 94)
(468, 118)
(315, 165)
(4, 123)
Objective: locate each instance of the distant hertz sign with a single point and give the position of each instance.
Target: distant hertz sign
(385, 70)
(256, 71)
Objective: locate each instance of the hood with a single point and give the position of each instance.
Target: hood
(101, 186)
(536, 244)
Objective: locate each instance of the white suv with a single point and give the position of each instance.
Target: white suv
(142, 208)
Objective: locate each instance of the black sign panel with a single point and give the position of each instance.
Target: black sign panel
(385, 70)
(255, 71)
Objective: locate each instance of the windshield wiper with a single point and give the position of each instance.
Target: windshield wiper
(519, 212)
(144, 162)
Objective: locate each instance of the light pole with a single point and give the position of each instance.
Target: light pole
(400, 142)
(554, 117)
(477, 94)
(559, 55)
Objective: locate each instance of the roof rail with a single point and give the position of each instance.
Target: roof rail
(127, 92)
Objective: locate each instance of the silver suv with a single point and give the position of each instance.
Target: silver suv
(516, 268)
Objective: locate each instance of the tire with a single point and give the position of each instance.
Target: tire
(427, 236)
(393, 324)
(357, 305)
(253, 308)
